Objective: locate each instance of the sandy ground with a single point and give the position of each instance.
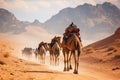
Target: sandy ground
(12, 68)
(91, 66)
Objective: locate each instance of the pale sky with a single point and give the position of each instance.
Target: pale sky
(28, 10)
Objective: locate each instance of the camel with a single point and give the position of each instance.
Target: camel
(27, 52)
(36, 53)
(55, 50)
(41, 52)
(51, 55)
(48, 48)
(70, 48)
(56, 53)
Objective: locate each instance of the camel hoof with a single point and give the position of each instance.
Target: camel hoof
(70, 67)
(75, 72)
(65, 69)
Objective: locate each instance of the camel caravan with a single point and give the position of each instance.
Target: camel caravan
(70, 46)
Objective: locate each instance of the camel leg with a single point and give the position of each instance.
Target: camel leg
(50, 59)
(70, 61)
(68, 67)
(75, 60)
(65, 61)
(57, 57)
(58, 60)
(78, 56)
(44, 59)
(65, 68)
(55, 60)
(40, 58)
(36, 55)
(69, 54)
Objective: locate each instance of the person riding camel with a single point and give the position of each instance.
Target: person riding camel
(40, 44)
(72, 28)
(53, 41)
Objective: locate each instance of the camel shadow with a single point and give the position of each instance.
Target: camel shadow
(38, 72)
(33, 64)
(48, 72)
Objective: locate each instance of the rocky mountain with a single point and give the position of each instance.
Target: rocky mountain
(95, 22)
(113, 40)
(36, 23)
(9, 23)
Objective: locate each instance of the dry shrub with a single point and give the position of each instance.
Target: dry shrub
(6, 54)
(89, 50)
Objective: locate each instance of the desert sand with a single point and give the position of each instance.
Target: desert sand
(15, 68)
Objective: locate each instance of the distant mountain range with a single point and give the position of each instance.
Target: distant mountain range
(9, 23)
(95, 22)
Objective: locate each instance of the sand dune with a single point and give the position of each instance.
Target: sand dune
(14, 68)
(97, 62)
(104, 54)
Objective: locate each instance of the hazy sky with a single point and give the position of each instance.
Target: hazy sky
(28, 10)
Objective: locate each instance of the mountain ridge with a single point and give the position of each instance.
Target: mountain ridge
(92, 20)
(9, 23)
(95, 22)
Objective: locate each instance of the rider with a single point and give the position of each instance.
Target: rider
(53, 41)
(72, 28)
(42, 43)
